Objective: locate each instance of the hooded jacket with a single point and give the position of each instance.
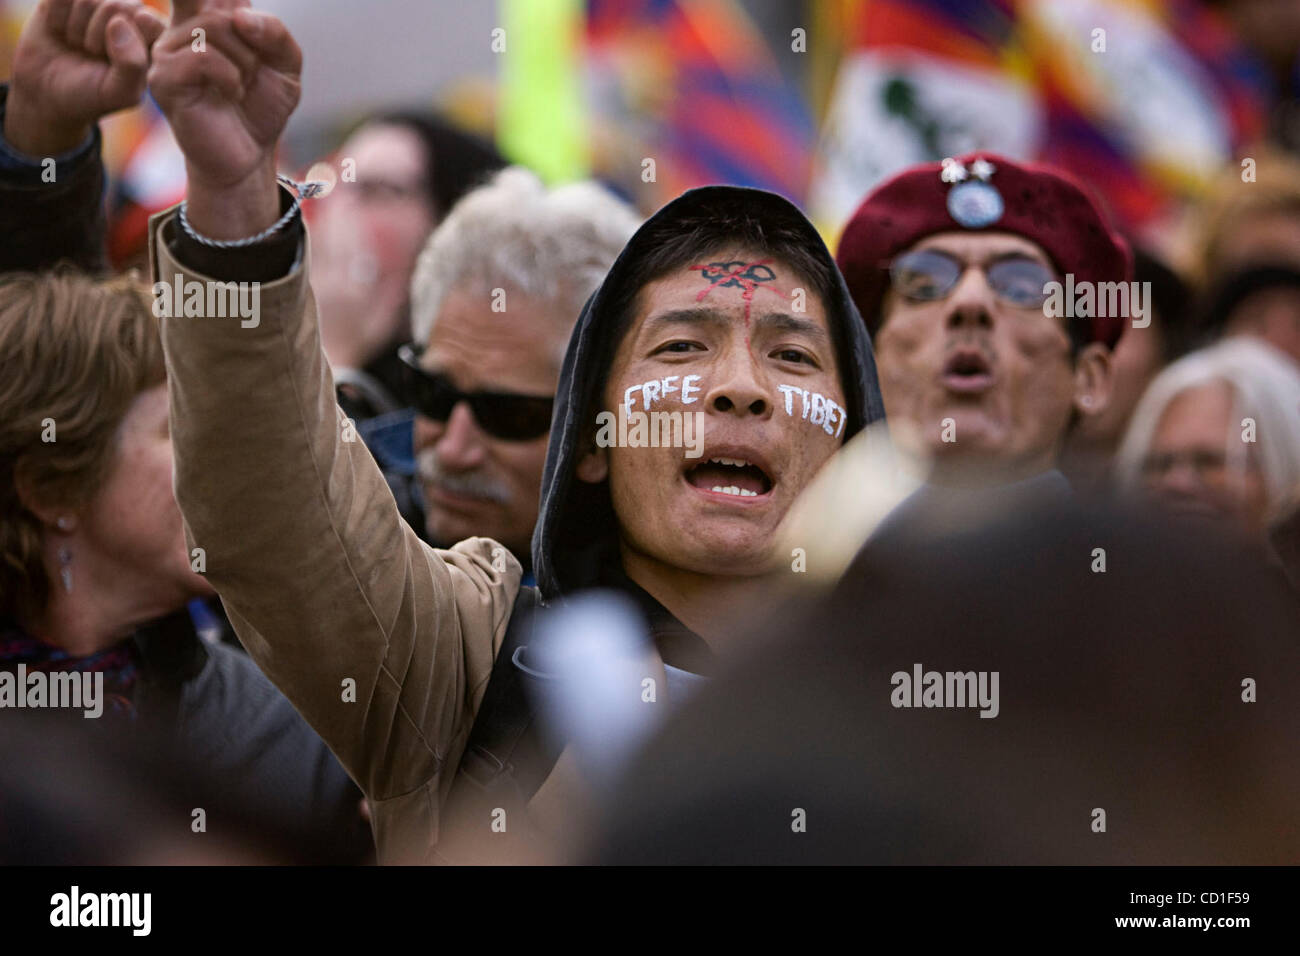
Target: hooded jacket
(575, 530)
(385, 644)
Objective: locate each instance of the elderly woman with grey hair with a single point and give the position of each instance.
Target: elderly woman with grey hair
(1217, 434)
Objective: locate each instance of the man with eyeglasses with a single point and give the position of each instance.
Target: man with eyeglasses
(950, 265)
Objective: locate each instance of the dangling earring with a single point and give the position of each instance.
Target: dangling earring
(65, 557)
(65, 568)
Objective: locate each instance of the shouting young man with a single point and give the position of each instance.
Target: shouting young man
(725, 308)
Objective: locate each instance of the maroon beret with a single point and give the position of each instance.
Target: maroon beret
(982, 192)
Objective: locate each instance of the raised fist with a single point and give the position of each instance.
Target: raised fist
(227, 79)
(77, 60)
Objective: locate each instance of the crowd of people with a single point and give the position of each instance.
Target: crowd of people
(369, 561)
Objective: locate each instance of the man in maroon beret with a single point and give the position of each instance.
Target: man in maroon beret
(994, 292)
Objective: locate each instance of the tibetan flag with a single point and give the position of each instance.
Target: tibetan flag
(542, 121)
(1144, 99)
(695, 96)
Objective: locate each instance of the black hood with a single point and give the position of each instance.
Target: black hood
(575, 543)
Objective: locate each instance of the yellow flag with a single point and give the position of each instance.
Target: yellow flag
(542, 119)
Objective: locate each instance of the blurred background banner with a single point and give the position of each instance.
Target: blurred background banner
(543, 113)
(1146, 100)
(819, 100)
(695, 85)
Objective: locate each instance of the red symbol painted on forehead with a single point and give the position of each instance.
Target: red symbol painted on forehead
(748, 276)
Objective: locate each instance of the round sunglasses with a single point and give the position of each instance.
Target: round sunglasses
(505, 415)
(928, 275)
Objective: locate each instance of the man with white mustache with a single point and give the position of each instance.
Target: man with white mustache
(495, 295)
(472, 484)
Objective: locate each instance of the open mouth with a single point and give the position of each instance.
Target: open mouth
(739, 477)
(967, 370)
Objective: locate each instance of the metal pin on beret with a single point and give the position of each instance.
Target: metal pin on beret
(972, 202)
(982, 192)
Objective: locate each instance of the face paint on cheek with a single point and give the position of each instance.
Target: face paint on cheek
(660, 388)
(654, 429)
(747, 276)
(816, 409)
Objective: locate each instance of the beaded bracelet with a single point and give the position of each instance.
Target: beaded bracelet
(307, 190)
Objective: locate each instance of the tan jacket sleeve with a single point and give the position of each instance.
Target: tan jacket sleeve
(323, 581)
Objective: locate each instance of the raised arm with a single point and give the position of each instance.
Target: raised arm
(382, 643)
(76, 61)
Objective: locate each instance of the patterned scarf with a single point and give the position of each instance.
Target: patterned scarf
(119, 663)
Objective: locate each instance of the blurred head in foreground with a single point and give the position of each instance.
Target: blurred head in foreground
(1217, 435)
(1142, 714)
(1262, 302)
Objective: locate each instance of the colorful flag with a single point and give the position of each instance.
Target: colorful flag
(542, 119)
(1145, 99)
(694, 95)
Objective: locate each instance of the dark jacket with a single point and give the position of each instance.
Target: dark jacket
(43, 223)
(206, 704)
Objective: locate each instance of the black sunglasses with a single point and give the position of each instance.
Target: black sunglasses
(504, 415)
(928, 275)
